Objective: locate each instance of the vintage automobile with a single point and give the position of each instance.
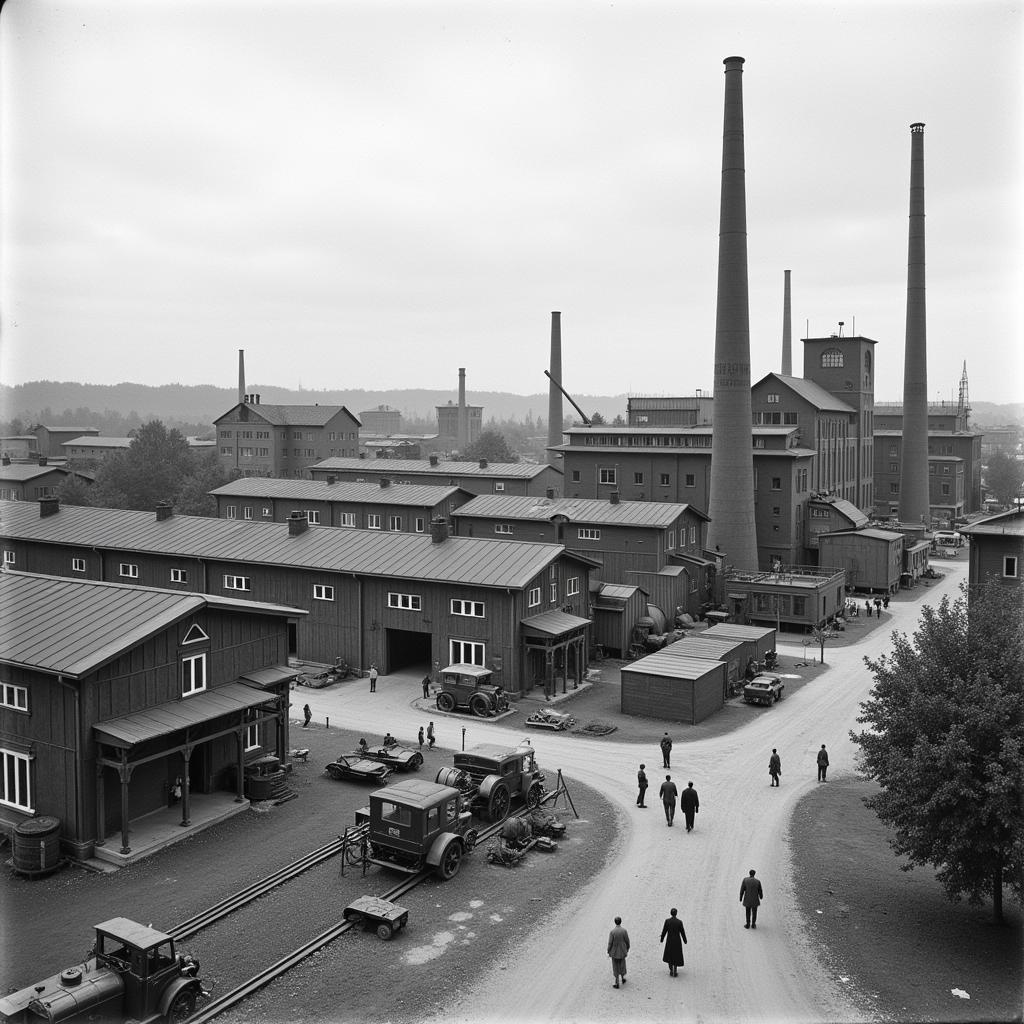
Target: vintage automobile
(416, 824)
(132, 973)
(469, 687)
(490, 777)
(351, 766)
(763, 689)
(545, 719)
(404, 759)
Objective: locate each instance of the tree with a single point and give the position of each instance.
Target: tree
(945, 741)
(74, 491)
(1005, 478)
(193, 497)
(150, 471)
(597, 419)
(490, 445)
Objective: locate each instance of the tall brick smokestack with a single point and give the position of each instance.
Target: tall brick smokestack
(463, 426)
(787, 330)
(241, 376)
(554, 395)
(914, 508)
(731, 495)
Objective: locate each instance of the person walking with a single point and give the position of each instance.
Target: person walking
(668, 794)
(666, 751)
(822, 763)
(867, 605)
(690, 804)
(885, 600)
(673, 934)
(751, 895)
(420, 737)
(373, 679)
(878, 607)
(774, 767)
(618, 949)
(430, 735)
(307, 716)
(641, 782)
(426, 687)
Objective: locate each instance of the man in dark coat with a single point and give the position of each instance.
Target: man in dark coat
(775, 767)
(751, 895)
(641, 782)
(426, 687)
(666, 751)
(822, 763)
(618, 948)
(673, 934)
(668, 793)
(690, 804)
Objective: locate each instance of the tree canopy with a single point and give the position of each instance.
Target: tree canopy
(490, 445)
(945, 742)
(1005, 477)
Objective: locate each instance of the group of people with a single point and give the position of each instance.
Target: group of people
(689, 801)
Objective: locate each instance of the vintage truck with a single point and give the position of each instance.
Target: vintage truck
(765, 688)
(490, 777)
(133, 973)
(470, 687)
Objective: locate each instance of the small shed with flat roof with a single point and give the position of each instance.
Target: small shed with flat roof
(672, 686)
(760, 639)
(734, 653)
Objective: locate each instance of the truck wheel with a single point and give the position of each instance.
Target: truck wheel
(385, 931)
(183, 1007)
(497, 808)
(335, 773)
(445, 702)
(415, 762)
(451, 858)
(533, 795)
(478, 705)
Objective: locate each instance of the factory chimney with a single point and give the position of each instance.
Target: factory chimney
(463, 427)
(241, 376)
(914, 510)
(554, 395)
(787, 330)
(731, 493)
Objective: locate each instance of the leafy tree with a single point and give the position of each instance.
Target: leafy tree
(945, 741)
(193, 497)
(150, 471)
(1005, 477)
(75, 491)
(597, 419)
(490, 445)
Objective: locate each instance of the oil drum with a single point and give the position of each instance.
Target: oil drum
(36, 848)
(454, 777)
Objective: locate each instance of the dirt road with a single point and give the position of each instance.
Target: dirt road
(731, 974)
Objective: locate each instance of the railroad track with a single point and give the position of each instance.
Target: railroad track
(218, 1005)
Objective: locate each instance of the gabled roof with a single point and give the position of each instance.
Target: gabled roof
(394, 467)
(1002, 524)
(22, 471)
(72, 627)
(872, 532)
(845, 508)
(655, 514)
(291, 415)
(468, 560)
(810, 392)
(343, 490)
(95, 441)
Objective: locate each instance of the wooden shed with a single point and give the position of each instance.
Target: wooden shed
(616, 608)
(872, 558)
(759, 639)
(734, 653)
(673, 687)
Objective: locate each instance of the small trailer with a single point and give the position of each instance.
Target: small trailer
(383, 916)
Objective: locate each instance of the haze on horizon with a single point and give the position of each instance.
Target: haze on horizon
(367, 195)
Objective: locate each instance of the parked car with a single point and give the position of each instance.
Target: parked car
(491, 776)
(470, 686)
(763, 689)
(402, 758)
(348, 766)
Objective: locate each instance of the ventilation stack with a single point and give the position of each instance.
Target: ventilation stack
(462, 440)
(914, 506)
(787, 330)
(554, 395)
(731, 497)
(241, 376)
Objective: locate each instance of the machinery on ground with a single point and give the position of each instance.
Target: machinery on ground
(489, 777)
(545, 719)
(404, 759)
(469, 686)
(133, 973)
(383, 916)
(350, 766)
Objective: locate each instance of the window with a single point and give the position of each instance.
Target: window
(238, 583)
(638, 478)
(670, 539)
(14, 780)
(9, 557)
(12, 696)
(230, 511)
(372, 521)
(409, 602)
(790, 419)
(572, 586)
(693, 534)
(1010, 566)
(832, 357)
(534, 598)
(503, 528)
(245, 453)
(313, 517)
(78, 565)
(322, 592)
(759, 442)
(395, 523)
(193, 674)
(247, 512)
(945, 470)
(473, 608)
(225, 433)
(420, 524)
(799, 605)
(296, 435)
(691, 480)
(575, 476)
(554, 591)
(466, 652)
(194, 635)
(894, 467)
(894, 488)
(663, 479)
(893, 451)
(252, 730)
(945, 489)
(179, 575)
(773, 399)
(498, 486)
(129, 570)
(776, 483)
(607, 476)
(588, 533)
(267, 512)
(347, 519)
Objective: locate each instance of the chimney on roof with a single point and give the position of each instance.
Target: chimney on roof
(257, 397)
(434, 460)
(438, 530)
(787, 329)
(48, 507)
(297, 523)
(6, 460)
(483, 463)
(241, 375)
(385, 482)
(549, 493)
(331, 478)
(164, 510)
(42, 460)
(463, 424)
(614, 497)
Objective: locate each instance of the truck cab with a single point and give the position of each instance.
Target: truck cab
(470, 687)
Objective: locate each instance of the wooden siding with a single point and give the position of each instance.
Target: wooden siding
(670, 699)
(873, 564)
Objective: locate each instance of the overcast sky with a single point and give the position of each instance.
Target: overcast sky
(371, 194)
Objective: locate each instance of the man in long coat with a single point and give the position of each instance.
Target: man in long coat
(641, 783)
(666, 751)
(673, 934)
(775, 767)
(668, 793)
(822, 763)
(618, 947)
(751, 895)
(690, 804)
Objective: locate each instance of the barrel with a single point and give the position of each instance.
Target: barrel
(36, 849)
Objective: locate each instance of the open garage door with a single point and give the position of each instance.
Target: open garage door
(407, 648)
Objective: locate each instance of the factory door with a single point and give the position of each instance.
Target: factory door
(407, 648)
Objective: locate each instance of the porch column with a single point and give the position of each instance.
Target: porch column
(549, 672)
(101, 809)
(240, 767)
(124, 772)
(186, 787)
(283, 724)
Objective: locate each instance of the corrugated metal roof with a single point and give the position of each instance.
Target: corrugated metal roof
(619, 591)
(469, 560)
(180, 714)
(22, 471)
(672, 666)
(553, 623)
(344, 490)
(291, 415)
(72, 627)
(704, 646)
(523, 470)
(871, 531)
(655, 514)
(736, 631)
(94, 441)
(812, 392)
(1008, 524)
